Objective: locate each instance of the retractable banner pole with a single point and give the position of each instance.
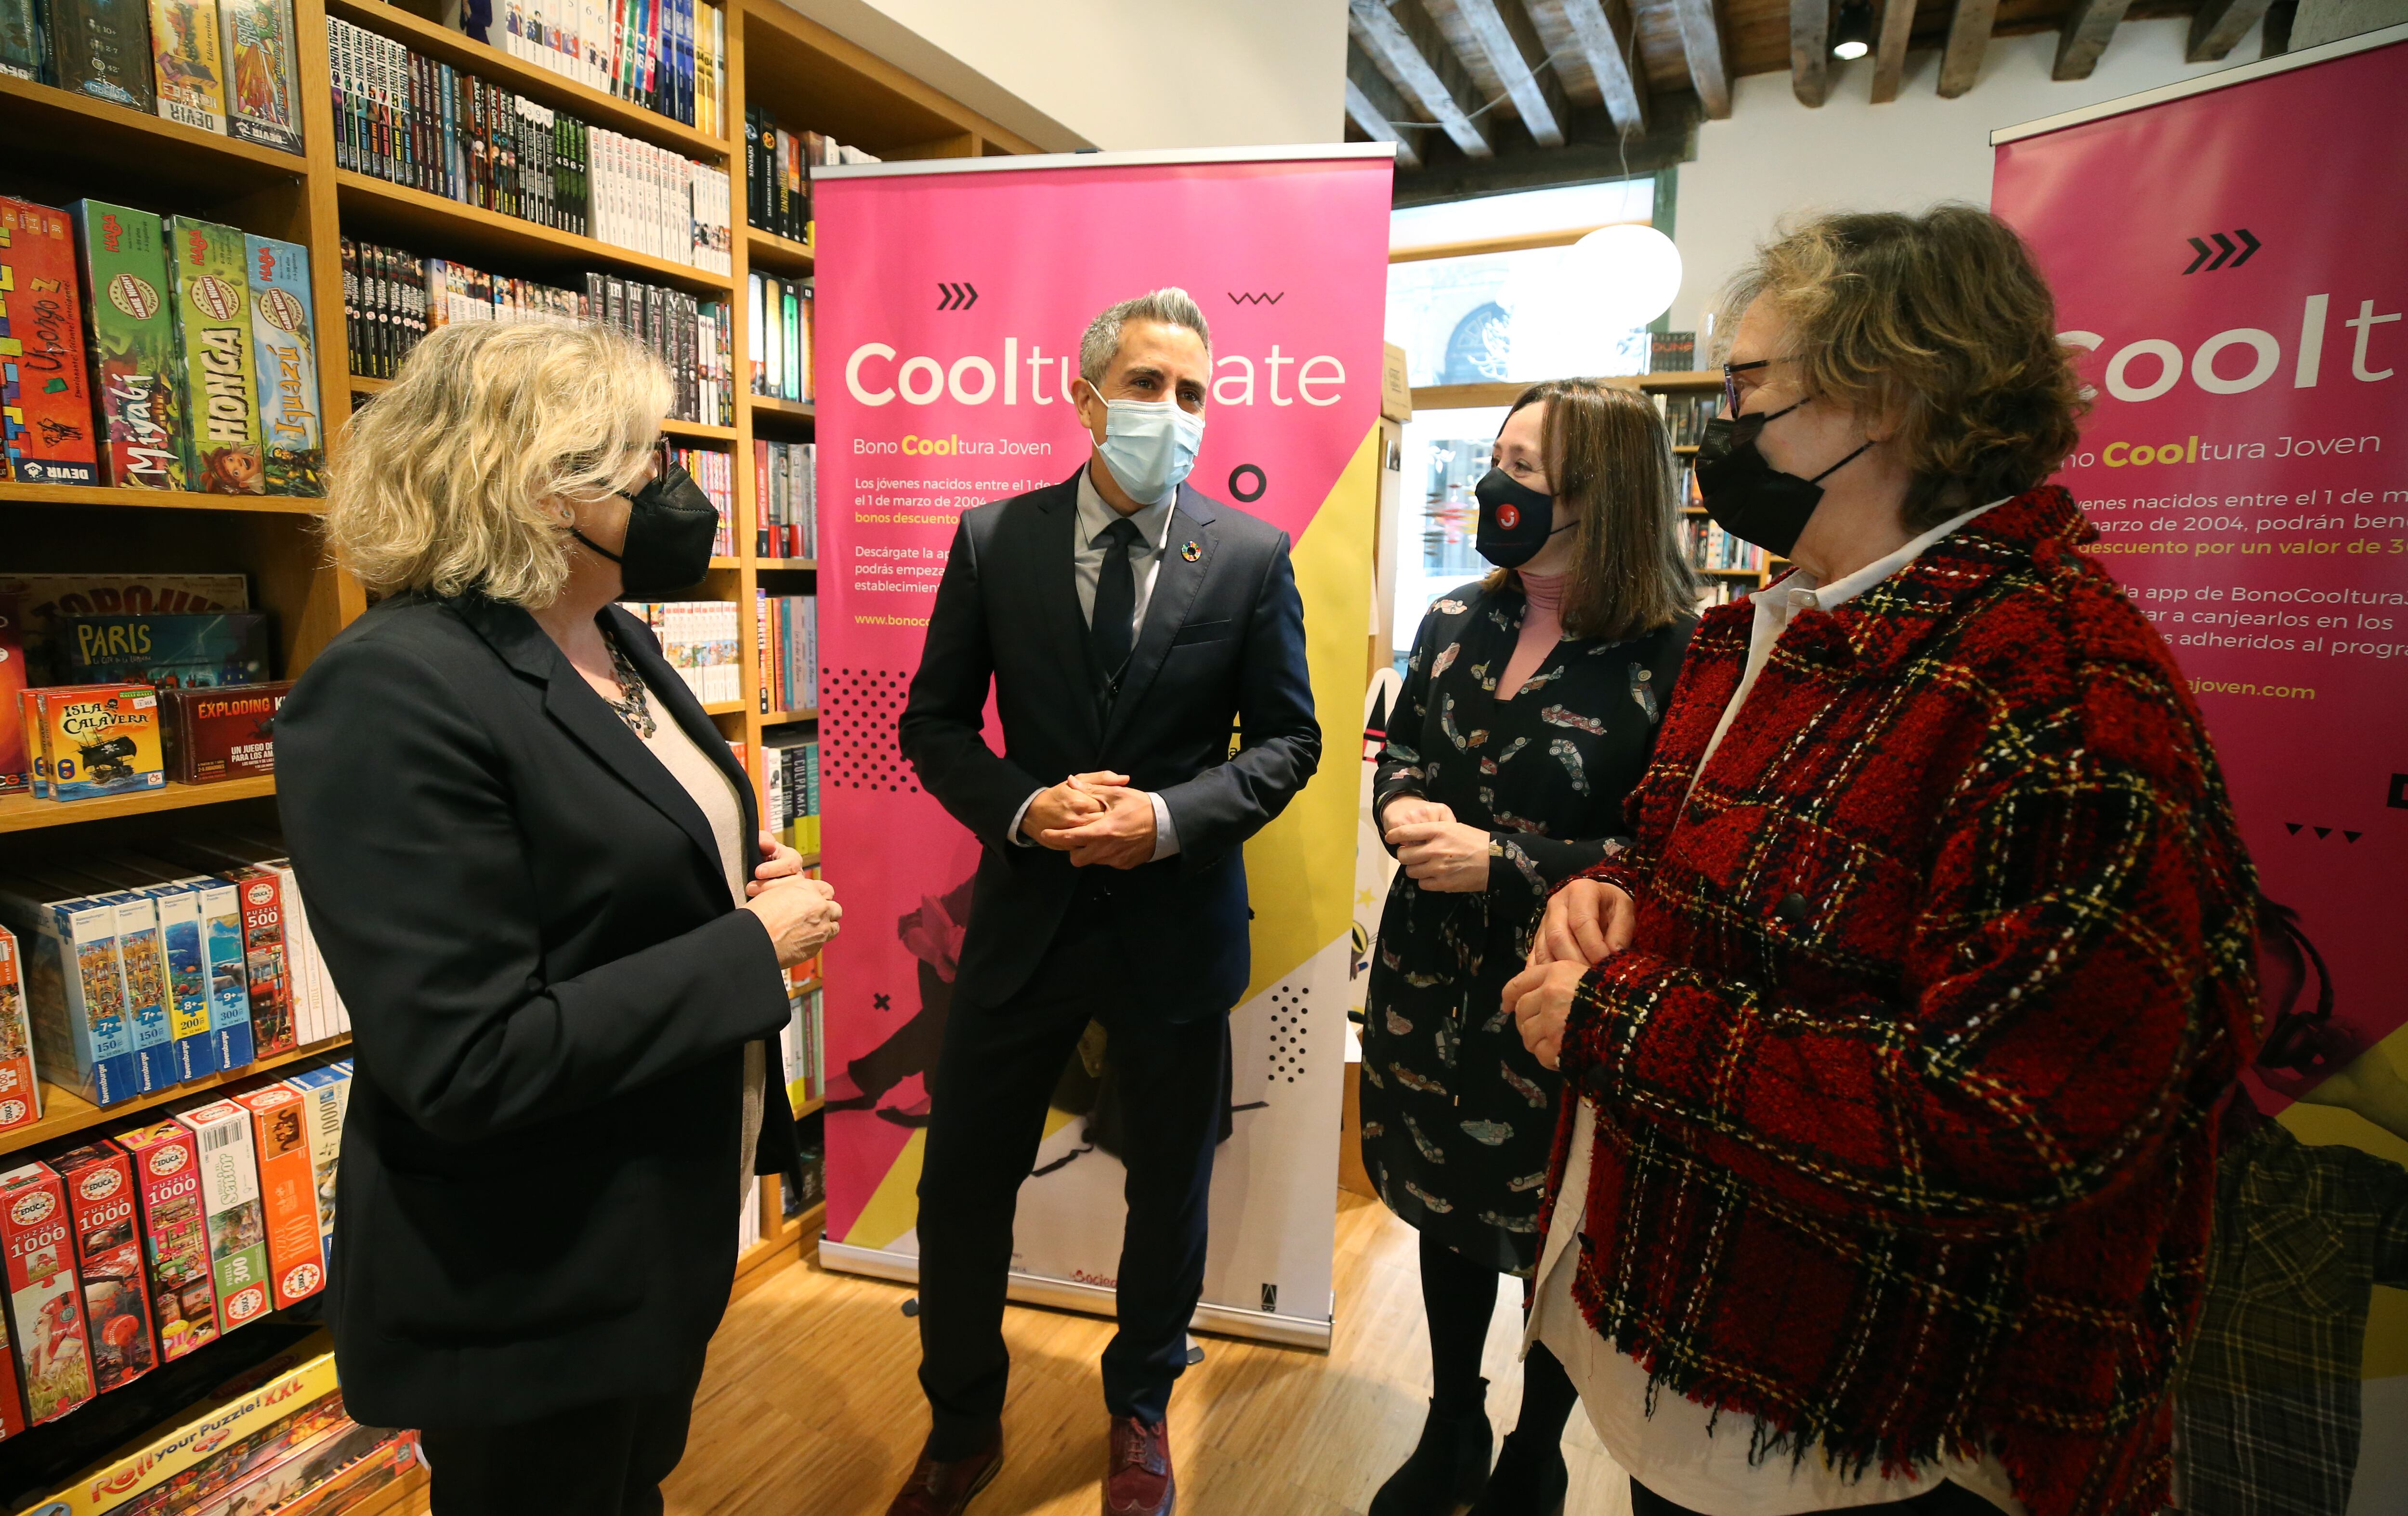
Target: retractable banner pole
(952, 296)
(2230, 256)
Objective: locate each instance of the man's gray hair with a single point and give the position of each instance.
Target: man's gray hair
(1171, 306)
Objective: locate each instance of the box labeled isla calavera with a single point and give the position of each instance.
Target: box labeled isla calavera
(99, 739)
(220, 734)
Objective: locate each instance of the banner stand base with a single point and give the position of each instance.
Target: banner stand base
(1087, 1299)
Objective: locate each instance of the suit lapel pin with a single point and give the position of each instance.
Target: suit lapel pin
(1191, 552)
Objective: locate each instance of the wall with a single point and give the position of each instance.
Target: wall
(1072, 73)
(1775, 157)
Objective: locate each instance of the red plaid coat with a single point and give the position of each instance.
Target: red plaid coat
(1905, 1088)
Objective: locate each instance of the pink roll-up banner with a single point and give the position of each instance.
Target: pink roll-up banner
(951, 296)
(2230, 256)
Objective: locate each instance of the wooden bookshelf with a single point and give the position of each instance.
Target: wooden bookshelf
(25, 813)
(65, 1113)
(802, 74)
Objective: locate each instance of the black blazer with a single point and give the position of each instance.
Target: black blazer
(551, 990)
(1222, 648)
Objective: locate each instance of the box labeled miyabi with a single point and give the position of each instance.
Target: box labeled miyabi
(106, 1211)
(138, 380)
(288, 1192)
(21, 1093)
(45, 1307)
(230, 1201)
(175, 1236)
(227, 734)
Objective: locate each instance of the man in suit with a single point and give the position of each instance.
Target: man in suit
(1126, 623)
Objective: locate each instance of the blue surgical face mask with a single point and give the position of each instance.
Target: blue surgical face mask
(1150, 445)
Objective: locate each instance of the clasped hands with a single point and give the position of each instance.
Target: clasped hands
(1438, 852)
(1095, 818)
(1588, 922)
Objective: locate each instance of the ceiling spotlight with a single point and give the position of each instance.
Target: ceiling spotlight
(1853, 37)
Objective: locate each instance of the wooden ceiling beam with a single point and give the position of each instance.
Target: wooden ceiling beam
(1373, 104)
(2085, 35)
(1608, 40)
(1401, 35)
(1889, 48)
(2218, 26)
(1809, 50)
(1969, 38)
(1701, 44)
(1511, 43)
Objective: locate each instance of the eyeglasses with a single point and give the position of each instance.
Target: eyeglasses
(1732, 393)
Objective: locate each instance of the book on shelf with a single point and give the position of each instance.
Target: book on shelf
(697, 639)
(44, 388)
(786, 489)
(1672, 353)
(1685, 415)
(786, 632)
(782, 311)
(777, 173)
(669, 58)
(420, 123)
(709, 469)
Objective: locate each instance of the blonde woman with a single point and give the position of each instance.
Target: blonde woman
(537, 876)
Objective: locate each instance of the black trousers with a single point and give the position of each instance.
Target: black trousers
(607, 1459)
(1946, 1498)
(986, 1119)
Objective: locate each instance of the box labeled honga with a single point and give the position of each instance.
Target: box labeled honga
(138, 378)
(288, 1192)
(175, 1236)
(211, 291)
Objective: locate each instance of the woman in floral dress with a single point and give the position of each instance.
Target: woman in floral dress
(1528, 711)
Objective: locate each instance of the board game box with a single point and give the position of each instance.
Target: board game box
(175, 1236)
(187, 64)
(44, 396)
(290, 428)
(226, 1464)
(102, 49)
(43, 600)
(211, 291)
(230, 1201)
(106, 1211)
(226, 734)
(261, 105)
(99, 739)
(137, 376)
(20, 1092)
(44, 1306)
(21, 57)
(142, 963)
(325, 1093)
(12, 1405)
(179, 651)
(288, 1190)
(16, 763)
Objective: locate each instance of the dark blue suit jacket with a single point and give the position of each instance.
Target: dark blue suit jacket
(1214, 713)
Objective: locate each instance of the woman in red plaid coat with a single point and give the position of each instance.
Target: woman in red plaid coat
(1898, 1039)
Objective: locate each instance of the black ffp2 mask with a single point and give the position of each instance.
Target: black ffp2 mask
(1747, 496)
(670, 527)
(1515, 519)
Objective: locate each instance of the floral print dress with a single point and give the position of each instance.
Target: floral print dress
(1458, 1117)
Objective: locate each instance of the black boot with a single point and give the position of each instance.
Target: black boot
(1529, 1480)
(1449, 1464)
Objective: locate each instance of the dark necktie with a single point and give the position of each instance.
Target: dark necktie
(1115, 602)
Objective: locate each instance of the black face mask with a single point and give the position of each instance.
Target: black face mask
(1515, 519)
(671, 526)
(1747, 496)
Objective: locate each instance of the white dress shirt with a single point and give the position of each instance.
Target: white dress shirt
(1089, 545)
(1682, 1452)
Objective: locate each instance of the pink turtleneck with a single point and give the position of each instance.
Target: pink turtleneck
(1541, 629)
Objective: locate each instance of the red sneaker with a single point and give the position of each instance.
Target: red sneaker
(943, 1486)
(1140, 1482)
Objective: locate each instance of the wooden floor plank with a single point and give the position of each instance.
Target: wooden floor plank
(810, 1403)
